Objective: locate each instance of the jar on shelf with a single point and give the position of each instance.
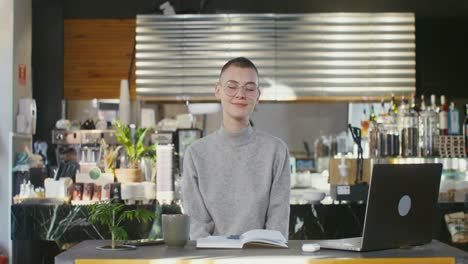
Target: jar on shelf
(389, 145)
(409, 134)
(374, 139)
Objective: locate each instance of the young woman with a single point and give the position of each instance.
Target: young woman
(237, 178)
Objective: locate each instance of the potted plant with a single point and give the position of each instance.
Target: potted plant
(109, 155)
(131, 140)
(111, 215)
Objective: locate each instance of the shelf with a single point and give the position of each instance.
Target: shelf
(21, 135)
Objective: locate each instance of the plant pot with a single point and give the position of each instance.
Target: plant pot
(128, 175)
(117, 247)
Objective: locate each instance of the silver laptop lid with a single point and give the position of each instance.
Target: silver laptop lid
(401, 205)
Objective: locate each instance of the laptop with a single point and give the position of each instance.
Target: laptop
(401, 207)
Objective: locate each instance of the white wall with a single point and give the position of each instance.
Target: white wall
(15, 48)
(296, 123)
(22, 51)
(293, 123)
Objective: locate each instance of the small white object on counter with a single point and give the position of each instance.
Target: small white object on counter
(27, 190)
(306, 196)
(313, 196)
(343, 168)
(310, 247)
(57, 189)
(138, 191)
(98, 179)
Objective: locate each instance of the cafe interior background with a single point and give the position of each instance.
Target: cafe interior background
(70, 56)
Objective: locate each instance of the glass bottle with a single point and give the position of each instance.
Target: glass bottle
(374, 140)
(392, 140)
(413, 105)
(364, 123)
(434, 106)
(465, 129)
(409, 134)
(422, 109)
(427, 130)
(393, 110)
(402, 108)
(383, 115)
(382, 108)
(372, 117)
(434, 115)
(443, 116)
(453, 120)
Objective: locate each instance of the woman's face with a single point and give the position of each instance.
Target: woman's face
(238, 91)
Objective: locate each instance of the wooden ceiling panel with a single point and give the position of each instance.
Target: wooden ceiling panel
(97, 55)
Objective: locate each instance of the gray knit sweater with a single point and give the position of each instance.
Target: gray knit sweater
(235, 182)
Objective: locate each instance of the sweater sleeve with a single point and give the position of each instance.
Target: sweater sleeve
(278, 210)
(201, 223)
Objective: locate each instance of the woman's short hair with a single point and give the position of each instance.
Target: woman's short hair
(241, 62)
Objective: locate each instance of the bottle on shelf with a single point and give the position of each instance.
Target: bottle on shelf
(384, 135)
(434, 106)
(412, 105)
(422, 107)
(383, 116)
(393, 110)
(453, 120)
(443, 116)
(428, 130)
(401, 112)
(408, 128)
(401, 109)
(372, 117)
(465, 129)
(422, 110)
(382, 111)
(364, 123)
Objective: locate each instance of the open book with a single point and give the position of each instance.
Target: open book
(256, 237)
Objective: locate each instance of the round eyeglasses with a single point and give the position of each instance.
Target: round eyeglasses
(231, 89)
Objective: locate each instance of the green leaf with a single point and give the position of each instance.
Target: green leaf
(119, 233)
(122, 134)
(146, 216)
(102, 212)
(127, 215)
(137, 150)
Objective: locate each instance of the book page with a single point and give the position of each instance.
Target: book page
(263, 235)
(219, 242)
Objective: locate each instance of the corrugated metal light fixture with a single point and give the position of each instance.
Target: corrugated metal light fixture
(324, 56)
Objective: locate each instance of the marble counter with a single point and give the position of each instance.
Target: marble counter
(67, 223)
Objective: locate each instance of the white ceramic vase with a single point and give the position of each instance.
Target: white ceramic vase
(124, 106)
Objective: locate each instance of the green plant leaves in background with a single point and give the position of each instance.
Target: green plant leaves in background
(112, 214)
(137, 150)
